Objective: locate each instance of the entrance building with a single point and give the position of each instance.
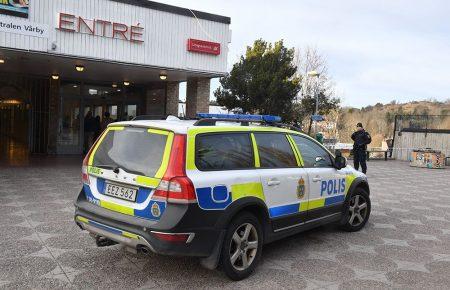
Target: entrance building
(62, 62)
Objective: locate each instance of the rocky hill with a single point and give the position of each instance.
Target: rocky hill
(379, 119)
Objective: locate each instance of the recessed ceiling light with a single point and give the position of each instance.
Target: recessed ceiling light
(114, 85)
(55, 76)
(118, 90)
(2, 60)
(79, 68)
(75, 86)
(126, 83)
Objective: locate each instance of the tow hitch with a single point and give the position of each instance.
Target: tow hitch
(103, 242)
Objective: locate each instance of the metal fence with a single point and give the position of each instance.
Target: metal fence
(413, 132)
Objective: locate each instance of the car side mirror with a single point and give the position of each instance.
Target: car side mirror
(340, 161)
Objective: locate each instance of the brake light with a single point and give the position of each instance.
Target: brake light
(84, 166)
(175, 186)
(84, 173)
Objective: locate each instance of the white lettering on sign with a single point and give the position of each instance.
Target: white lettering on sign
(13, 25)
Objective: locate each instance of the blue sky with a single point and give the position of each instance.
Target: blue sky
(377, 51)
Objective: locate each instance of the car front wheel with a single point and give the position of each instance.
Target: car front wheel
(242, 246)
(356, 211)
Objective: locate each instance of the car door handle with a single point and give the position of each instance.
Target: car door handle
(273, 182)
(316, 179)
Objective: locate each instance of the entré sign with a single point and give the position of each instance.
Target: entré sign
(99, 27)
(202, 46)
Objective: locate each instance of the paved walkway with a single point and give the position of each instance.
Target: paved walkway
(406, 243)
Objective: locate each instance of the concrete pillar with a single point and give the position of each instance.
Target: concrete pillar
(54, 115)
(197, 96)
(172, 98)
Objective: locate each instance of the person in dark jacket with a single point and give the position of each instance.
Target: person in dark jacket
(97, 127)
(361, 139)
(89, 130)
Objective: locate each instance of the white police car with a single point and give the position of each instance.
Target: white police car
(217, 188)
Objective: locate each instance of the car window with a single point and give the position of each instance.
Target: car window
(312, 153)
(275, 151)
(135, 150)
(224, 151)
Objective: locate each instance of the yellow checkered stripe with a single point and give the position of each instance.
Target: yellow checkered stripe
(242, 190)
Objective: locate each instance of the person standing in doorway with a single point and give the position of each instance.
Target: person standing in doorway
(361, 139)
(106, 120)
(89, 131)
(97, 127)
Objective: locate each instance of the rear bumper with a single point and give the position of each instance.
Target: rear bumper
(117, 235)
(135, 232)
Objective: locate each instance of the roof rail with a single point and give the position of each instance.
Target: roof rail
(149, 117)
(158, 117)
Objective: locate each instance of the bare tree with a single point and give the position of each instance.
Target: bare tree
(307, 60)
(310, 59)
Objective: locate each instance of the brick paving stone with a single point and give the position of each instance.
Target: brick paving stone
(406, 243)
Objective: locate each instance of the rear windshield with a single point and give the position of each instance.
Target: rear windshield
(134, 150)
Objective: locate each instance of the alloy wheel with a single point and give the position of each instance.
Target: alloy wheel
(243, 246)
(358, 210)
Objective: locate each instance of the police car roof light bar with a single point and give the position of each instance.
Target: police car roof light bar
(206, 119)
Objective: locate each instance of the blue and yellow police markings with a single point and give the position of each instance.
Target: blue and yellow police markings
(219, 197)
(335, 187)
(283, 210)
(153, 211)
(213, 198)
(332, 191)
(332, 186)
(107, 228)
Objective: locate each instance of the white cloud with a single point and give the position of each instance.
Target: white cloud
(377, 50)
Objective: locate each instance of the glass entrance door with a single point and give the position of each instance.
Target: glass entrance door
(69, 134)
(82, 112)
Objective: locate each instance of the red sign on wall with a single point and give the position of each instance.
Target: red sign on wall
(202, 46)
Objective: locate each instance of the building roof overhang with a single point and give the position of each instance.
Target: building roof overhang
(177, 10)
(95, 70)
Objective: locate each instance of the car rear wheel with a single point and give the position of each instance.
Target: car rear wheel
(242, 246)
(357, 211)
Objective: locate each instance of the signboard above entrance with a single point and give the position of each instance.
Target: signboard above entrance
(22, 26)
(15, 7)
(202, 46)
(99, 27)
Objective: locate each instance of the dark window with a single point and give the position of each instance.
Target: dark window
(312, 153)
(135, 150)
(275, 151)
(224, 151)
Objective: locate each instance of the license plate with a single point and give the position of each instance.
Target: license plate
(121, 192)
